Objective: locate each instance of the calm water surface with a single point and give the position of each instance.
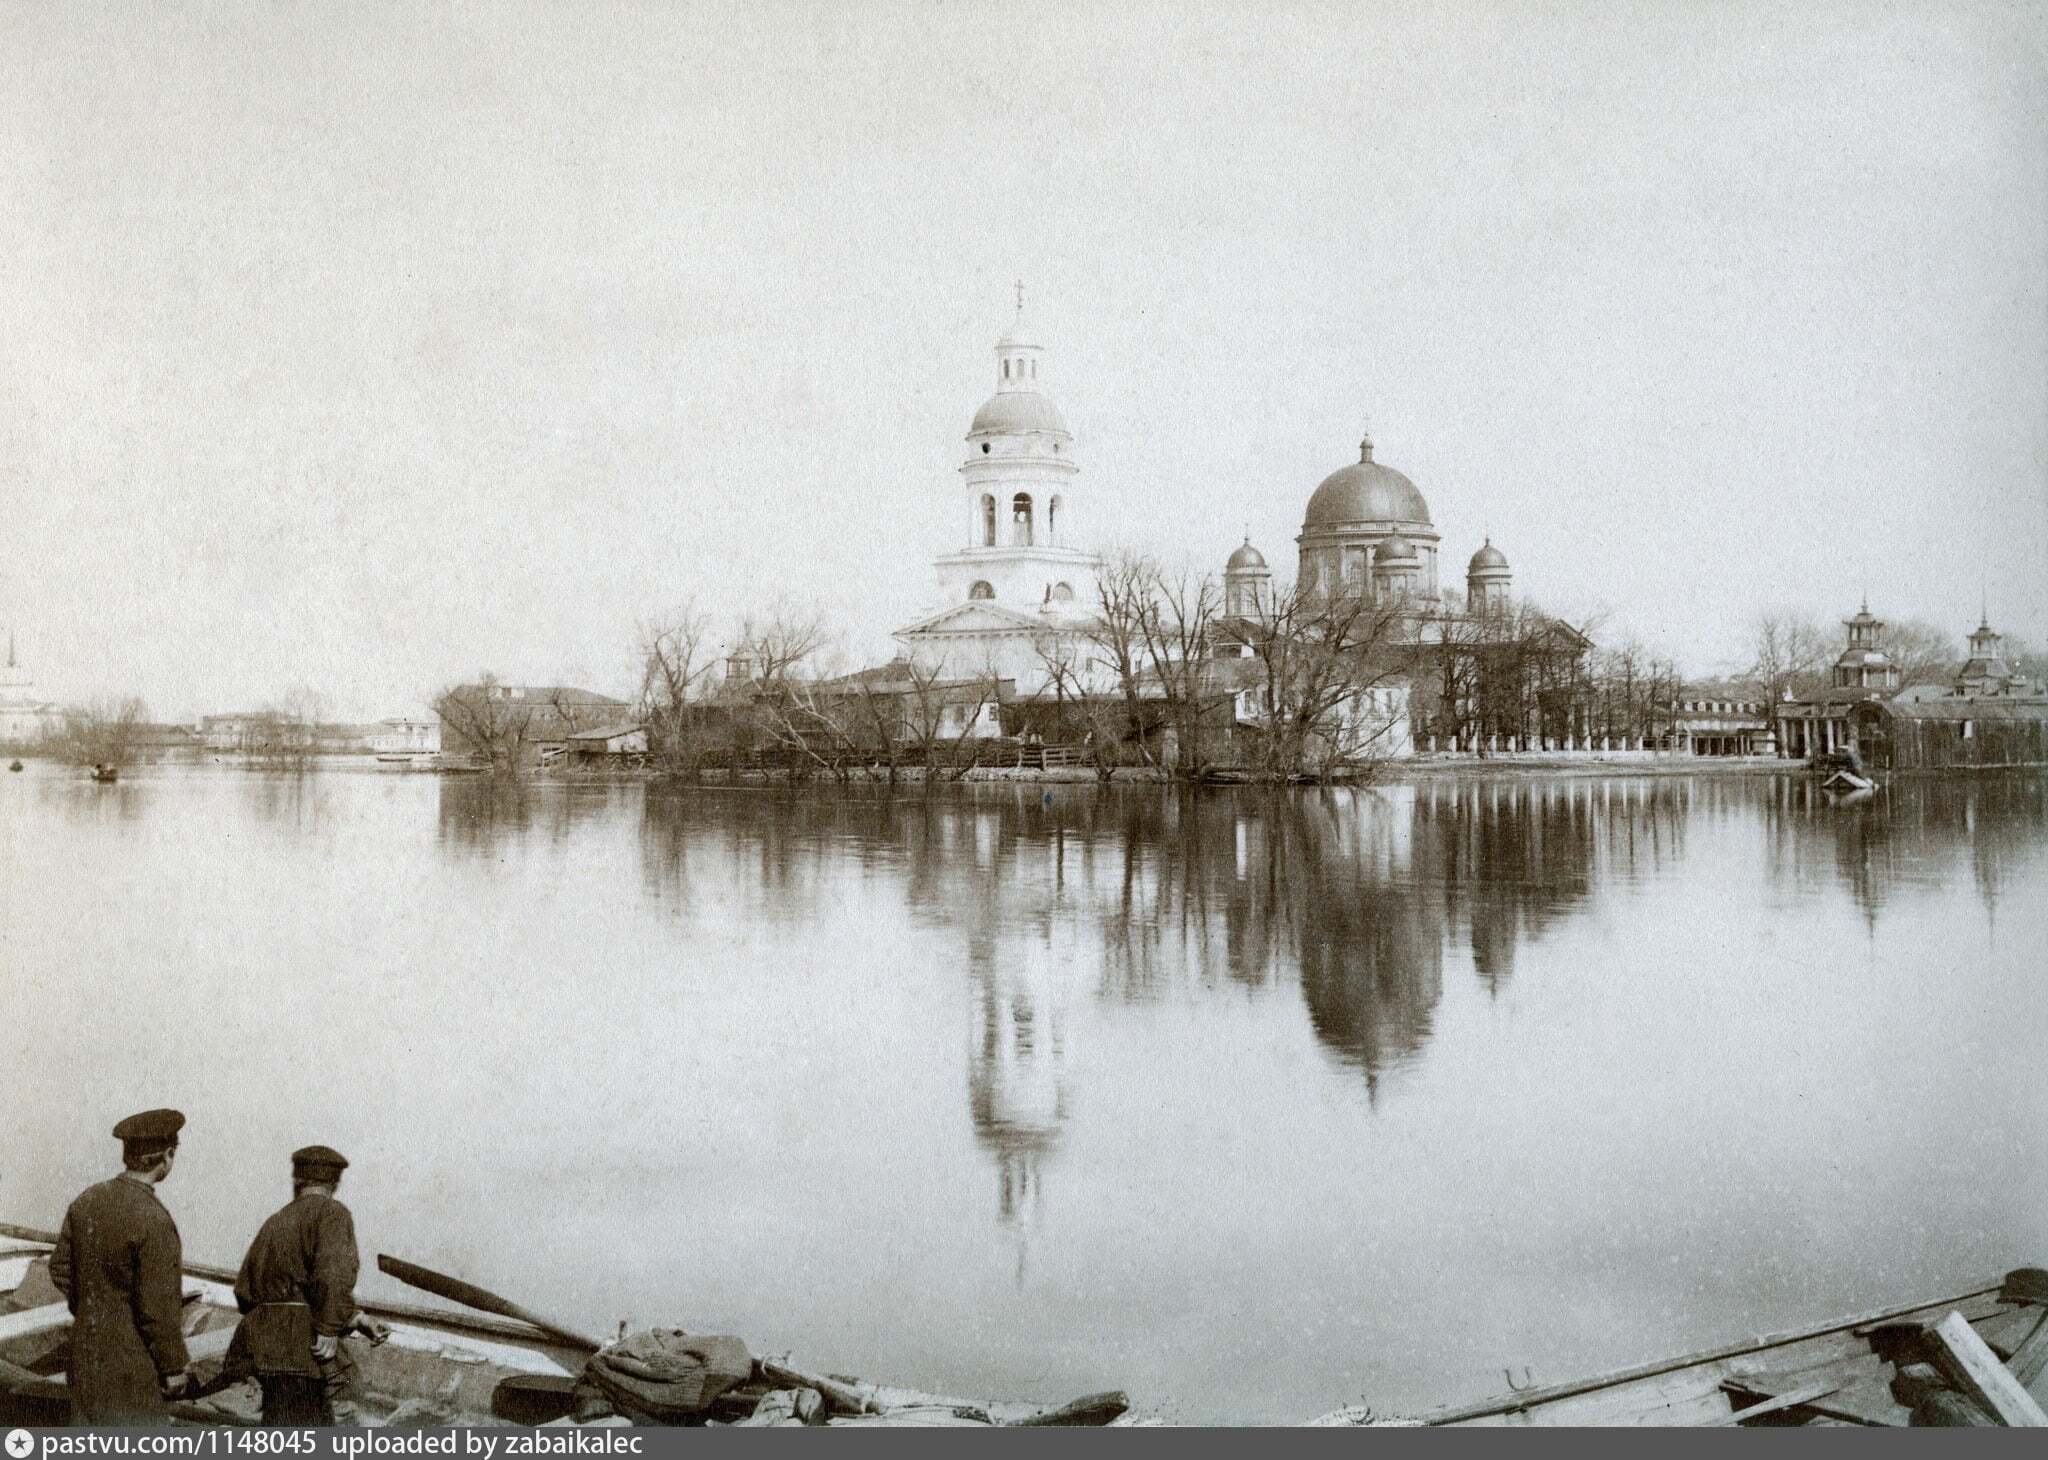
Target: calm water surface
(1253, 1105)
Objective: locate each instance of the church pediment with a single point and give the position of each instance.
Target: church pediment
(980, 616)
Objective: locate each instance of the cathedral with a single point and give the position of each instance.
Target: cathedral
(1024, 577)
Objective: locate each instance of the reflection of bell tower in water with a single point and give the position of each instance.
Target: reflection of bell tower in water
(1016, 1089)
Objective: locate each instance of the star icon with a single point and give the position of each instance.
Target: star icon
(20, 1444)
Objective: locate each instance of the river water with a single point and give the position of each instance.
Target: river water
(1252, 1104)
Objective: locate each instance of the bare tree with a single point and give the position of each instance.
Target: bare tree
(780, 643)
(486, 720)
(104, 731)
(1329, 670)
(1115, 639)
(1926, 653)
(675, 663)
(2026, 660)
(285, 735)
(1789, 653)
(1175, 623)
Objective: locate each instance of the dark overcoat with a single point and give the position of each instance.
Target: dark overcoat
(297, 1281)
(119, 1264)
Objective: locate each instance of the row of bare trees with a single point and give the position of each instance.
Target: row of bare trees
(1300, 684)
(1296, 684)
(1156, 676)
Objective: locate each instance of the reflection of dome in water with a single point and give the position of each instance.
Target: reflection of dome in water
(1371, 975)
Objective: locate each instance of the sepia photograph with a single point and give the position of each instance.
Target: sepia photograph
(1098, 713)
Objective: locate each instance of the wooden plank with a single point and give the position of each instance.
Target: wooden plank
(1792, 1399)
(2031, 1357)
(26, 1324)
(208, 1345)
(14, 1376)
(1968, 1360)
(1865, 1401)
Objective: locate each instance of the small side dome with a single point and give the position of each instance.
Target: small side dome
(1396, 549)
(1246, 559)
(1487, 557)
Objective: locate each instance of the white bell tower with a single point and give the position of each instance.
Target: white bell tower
(1018, 480)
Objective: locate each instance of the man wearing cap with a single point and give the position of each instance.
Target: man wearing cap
(296, 1291)
(119, 1264)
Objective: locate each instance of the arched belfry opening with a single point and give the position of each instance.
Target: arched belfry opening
(1021, 525)
(1052, 521)
(988, 520)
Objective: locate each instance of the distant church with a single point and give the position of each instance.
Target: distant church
(24, 718)
(1024, 577)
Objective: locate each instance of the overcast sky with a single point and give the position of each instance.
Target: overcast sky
(370, 345)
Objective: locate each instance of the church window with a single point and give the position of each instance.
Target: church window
(984, 448)
(1020, 519)
(1052, 520)
(982, 589)
(1062, 593)
(1006, 370)
(988, 518)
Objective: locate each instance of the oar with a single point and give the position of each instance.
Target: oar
(470, 1296)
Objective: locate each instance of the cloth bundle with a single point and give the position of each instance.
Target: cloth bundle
(664, 1375)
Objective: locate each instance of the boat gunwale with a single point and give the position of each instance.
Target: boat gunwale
(1527, 1399)
(452, 1318)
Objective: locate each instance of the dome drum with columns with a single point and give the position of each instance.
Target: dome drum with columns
(1358, 510)
(1367, 530)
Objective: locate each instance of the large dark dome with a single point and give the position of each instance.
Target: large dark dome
(1365, 492)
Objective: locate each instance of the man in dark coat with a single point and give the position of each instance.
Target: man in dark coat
(297, 1293)
(119, 1264)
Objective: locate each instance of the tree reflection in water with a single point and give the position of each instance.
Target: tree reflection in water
(1352, 900)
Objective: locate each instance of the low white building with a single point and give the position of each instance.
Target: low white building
(405, 734)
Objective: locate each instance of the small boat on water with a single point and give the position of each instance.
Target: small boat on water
(448, 1367)
(1980, 1357)
(14, 765)
(106, 774)
(1842, 772)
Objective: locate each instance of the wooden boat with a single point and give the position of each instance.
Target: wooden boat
(1842, 1372)
(439, 1366)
